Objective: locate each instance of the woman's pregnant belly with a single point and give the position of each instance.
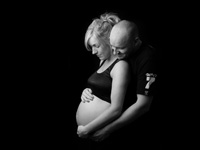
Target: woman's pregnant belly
(88, 111)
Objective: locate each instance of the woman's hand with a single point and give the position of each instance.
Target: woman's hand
(82, 132)
(87, 95)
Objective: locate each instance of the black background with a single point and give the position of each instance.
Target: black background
(54, 65)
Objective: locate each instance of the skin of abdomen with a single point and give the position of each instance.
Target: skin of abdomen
(88, 111)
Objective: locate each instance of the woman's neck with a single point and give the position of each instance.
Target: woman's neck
(107, 63)
(111, 58)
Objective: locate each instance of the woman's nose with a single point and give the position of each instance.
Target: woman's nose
(94, 51)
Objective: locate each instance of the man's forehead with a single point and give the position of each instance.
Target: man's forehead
(117, 45)
(118, 41)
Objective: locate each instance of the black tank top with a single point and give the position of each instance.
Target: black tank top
(101, 83)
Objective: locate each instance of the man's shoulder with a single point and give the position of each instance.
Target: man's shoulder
(146, 51)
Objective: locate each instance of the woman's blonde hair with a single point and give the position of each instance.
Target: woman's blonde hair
(101, 27)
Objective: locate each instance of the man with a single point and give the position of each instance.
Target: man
(126, 43)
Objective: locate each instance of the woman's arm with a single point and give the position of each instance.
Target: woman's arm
(120, 79)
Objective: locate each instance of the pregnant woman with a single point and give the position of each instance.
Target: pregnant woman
(108, 83)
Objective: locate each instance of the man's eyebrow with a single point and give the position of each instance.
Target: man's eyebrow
(117, 46)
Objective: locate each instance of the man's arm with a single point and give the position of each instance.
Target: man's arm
(132, 113)
(128, 116)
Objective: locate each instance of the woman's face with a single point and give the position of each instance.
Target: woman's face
(100, 48)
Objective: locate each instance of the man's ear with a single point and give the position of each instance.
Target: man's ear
(137, 41)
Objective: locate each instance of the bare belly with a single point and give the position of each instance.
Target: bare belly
(87, 112)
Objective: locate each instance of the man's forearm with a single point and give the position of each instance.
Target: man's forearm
(130, 115)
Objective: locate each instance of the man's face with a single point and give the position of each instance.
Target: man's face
(120, 51)
(119, 43)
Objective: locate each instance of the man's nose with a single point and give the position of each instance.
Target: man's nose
(114, 50)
